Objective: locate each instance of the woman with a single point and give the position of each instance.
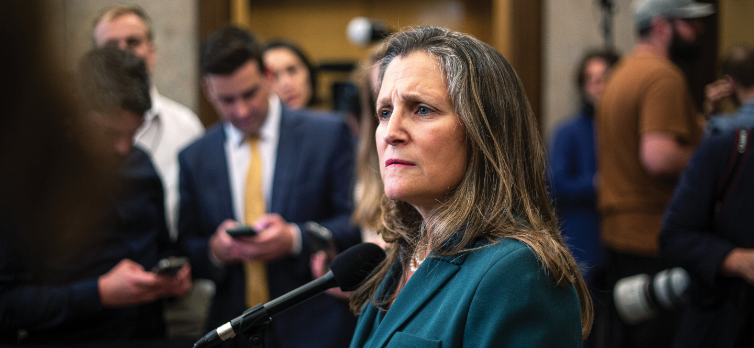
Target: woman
(573, 166)
(476, 260)
(294, 77)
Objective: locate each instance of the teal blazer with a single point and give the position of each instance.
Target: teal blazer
(496, 296)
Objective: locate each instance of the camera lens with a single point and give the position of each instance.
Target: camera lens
(640, 297)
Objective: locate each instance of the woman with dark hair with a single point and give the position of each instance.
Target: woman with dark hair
(476, 258)
(294, 77)
(573, 166)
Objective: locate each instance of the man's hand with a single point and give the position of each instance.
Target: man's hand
(319, 265)
(128, 284)
(180, 283)
(739, 263)
(222, 245)
(275, 240)
(714, 94)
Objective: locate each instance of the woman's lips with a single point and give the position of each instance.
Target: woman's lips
(394, 162)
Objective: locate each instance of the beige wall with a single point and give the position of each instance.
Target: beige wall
(319, 27)
(175, 27)
(736, 23)
(570, 28)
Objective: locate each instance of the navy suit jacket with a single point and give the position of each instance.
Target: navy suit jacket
(720, 308)
(48, 282)
(312, 182)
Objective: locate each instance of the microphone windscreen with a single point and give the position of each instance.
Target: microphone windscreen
(354, 265)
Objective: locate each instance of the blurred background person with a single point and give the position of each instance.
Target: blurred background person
(647, 129)
(93, 284)
(573, 166)
(294, 76)
(168, 126)
(574, 181)
(274, 169)
(477, 259)
(368, 191)
(738, 84)
(707, 231)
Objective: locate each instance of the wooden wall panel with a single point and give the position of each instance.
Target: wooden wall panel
(213, 15)
(513, 27)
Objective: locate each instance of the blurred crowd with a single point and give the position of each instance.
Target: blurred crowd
(124, 219)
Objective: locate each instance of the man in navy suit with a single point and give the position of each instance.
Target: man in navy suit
(306, 164)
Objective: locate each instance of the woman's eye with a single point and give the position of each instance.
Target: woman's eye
(423, 110)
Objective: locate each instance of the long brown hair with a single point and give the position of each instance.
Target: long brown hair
(502, 193)
(366, 213)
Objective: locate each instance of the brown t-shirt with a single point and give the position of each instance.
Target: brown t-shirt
(646, 93)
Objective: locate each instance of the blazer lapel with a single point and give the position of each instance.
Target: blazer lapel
(431, 276)
(286, 164)
(217, 169)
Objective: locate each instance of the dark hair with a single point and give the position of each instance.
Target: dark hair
(503, 192)
(60, 176)
(111, 79)
(609, 57)
(282, 43)
(227, 49)
(739, 65)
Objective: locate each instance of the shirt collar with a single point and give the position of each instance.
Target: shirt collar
(269, 130)
(156, 106)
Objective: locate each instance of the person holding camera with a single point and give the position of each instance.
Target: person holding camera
(707, 225)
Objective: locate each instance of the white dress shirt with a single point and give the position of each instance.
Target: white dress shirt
(168, 127)
(238, 155)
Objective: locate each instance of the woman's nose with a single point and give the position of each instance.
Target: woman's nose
(395, 130)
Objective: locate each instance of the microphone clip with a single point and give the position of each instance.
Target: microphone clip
(255, 319)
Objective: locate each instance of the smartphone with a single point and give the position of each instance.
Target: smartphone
(242, 231)
(170, 265)
(320, 238)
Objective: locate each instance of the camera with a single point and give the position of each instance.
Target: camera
(640, 297)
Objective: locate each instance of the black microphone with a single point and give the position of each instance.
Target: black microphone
(348, 270)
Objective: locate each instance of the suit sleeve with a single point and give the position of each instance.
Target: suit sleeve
(687, 237)
(340, 184)
(192, 241)
(39, 307)
(571, 186)
(517, 304)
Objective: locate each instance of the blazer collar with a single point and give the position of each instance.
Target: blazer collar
(429, 278)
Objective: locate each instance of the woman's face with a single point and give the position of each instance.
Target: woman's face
(420, 141)
(596, 73)
(290, 77)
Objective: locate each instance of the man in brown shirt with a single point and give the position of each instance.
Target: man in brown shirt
(647, 129)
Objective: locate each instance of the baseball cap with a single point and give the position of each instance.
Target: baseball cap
(644, 10)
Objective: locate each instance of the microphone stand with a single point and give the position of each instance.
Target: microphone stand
(607, 23)
(260, 317)
(260, 320)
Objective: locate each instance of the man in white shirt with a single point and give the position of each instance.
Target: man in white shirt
(169, 126)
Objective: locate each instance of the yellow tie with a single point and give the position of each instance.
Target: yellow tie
(256, 271)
